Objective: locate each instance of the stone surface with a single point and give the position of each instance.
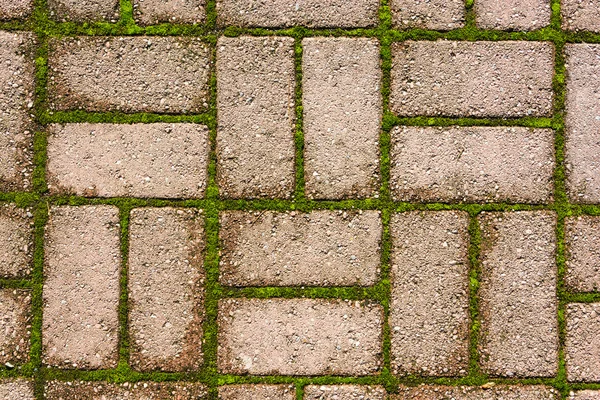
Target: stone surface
(15, 326)
(60, 390)
(16, 241)
(472, 79)
(429, 311)
(321, 248)
(341, 96)
(581, 15)
(299, 337)
(287, 13)
(585, 395)
(150, 12)
(257, 392)
(514, 15)
(16, 103)
(166, 279)
(129, 74)
(345, 392)
(256, 108)
(16, 389)
(518, 302)
(443, 15)
(582, 122)
(81, 287)
(15, 9)
(501, 392)
(84, 10)
(582, 344)
(582, 239)
(473, 164)
(118, 160)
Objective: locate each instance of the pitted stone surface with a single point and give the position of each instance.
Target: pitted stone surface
(516, 392)
(257, 392)
(16, 241)
(150, 12)
(581, 15)
(61, 390)
(84, 10)
(514, 15)
(15, 326)
(15, 9)
(16, 389)
(443, 15)
(582, 239)
(585, 395)
(582, 345)
(345, 392)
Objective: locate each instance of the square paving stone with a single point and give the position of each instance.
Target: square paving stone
(84, 10)
(581, 15)
(150, 12)
(257, 392)
(16, 389)
(16, 241)
(513, 15)
(129, 74)
(582, 344)
(341, 98)
(81, 288)
(443, 15)
(16, 102)
(585, 395)
(166, 288)
(15, 326)
(582, 237)
(320, 248)
(501, 392)
(256, 107)
(345, 392)
(15, 9)
(81, 390)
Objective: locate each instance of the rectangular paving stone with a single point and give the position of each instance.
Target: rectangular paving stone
(342, 116)
(129, 74)
(472, 79)
(15, 326)
(429, 311)
(15, 9)
(518, 302)
(320, 248)
(166, 288)
(16, 103)
(18, 389)
(582, 344)
(582, 122)
(16, 241)
(287, 13)
(257, 392)
(299, 337)
(84, 10)
(256, 107)
(81, 287)
(63, 390)
(346, 392)
(580, 15)
(585, 395)
(582, 237)
(151, 12)
(500, 392)
(443, 15)
(513, 15)
(120, 160)
(472, 164)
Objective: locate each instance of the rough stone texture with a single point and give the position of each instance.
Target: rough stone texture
(474, 164)
(150, 12)
(166, 278)
(443, 15)
(59, 390)
(15, 326)
(500, 392)
(342, 117)
(256, 106)
(119, 160)
(514, 15)
(84, 10)
(582, 237)
(299, 337)
(585, 395)
(129, 74)
(518, 303)
(429, 312)
(16, 241)
(582, 145)
(257, 392)
(345, 392)
(14, 9)
(16, 102)
(81, 287)
(321, 248)
(582, 345)
(310, 13)
(581, 15)
(477, 79)
(16, 389)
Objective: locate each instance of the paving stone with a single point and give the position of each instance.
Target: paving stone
(518, 304)
(84, 10)
(15, 9)
(299, 337)
(581, 15)
(16, 389)
(582, 122)
(472, 79)
(582, 237)
(129, 74)
(321, 248)
(256, 106)
(15, 326)
(310, 13)
(342, 117)
(443, 15)
(257, 392)
(16, 241)
(16, 101)
(429, 312)
(60, 390)
(582, 344)
(150, 12)
(585, 395)
(472, 164)
(120, 160)
(81, 287)
(514, 15)
(500, 392)
(166, 294)
(346, 392)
